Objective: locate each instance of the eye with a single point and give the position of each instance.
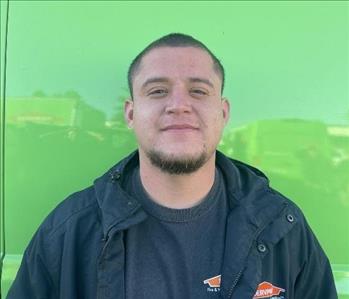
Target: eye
(200, 92)
(157, 92)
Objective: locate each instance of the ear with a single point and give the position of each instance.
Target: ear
(128, 112)
(226, 110)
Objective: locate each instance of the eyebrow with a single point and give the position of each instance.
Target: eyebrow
(201, 80)
(166, 80)
(155, 80)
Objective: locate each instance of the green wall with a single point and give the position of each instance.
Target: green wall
(287, 80)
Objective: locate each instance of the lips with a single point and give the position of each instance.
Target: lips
(179, 127)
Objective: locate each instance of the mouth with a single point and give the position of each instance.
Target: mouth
(180, 127)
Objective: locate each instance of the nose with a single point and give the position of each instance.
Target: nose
(179, 102)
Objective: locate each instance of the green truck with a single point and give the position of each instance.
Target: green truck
(63, 84)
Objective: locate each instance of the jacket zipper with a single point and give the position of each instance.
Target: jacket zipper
(235, 282)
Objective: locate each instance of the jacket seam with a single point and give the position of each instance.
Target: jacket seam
(56, 227)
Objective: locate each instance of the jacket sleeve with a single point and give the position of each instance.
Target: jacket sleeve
(33, 278)
(315, 280)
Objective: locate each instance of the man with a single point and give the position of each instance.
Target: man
(176, 219)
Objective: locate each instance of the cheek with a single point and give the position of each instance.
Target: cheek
(147, 109)
(145, 121)
(141, 115)
(216, 126)
(215, 119)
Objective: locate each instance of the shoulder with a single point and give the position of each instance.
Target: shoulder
(290, 231)
(250, 188)
(73, 224)
(278, 217)
(69, 235)
(79, 208)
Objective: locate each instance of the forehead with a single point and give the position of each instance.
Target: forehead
(176, 62)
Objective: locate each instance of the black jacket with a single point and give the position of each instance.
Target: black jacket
(79, 252)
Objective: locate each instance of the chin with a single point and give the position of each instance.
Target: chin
(177, 162)
(182, 152)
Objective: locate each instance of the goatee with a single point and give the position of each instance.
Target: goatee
(174, 165)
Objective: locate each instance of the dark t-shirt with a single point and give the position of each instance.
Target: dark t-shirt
(176, 253)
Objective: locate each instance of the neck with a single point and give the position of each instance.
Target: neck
(176, 191)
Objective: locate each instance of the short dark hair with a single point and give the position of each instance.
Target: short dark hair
(173, 40)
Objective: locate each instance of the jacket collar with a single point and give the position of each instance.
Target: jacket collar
(245, 186)
(116, 206)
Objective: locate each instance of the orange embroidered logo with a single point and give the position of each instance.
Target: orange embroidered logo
(214, 283)
(267, 290)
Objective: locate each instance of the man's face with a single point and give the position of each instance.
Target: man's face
(177, 111)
